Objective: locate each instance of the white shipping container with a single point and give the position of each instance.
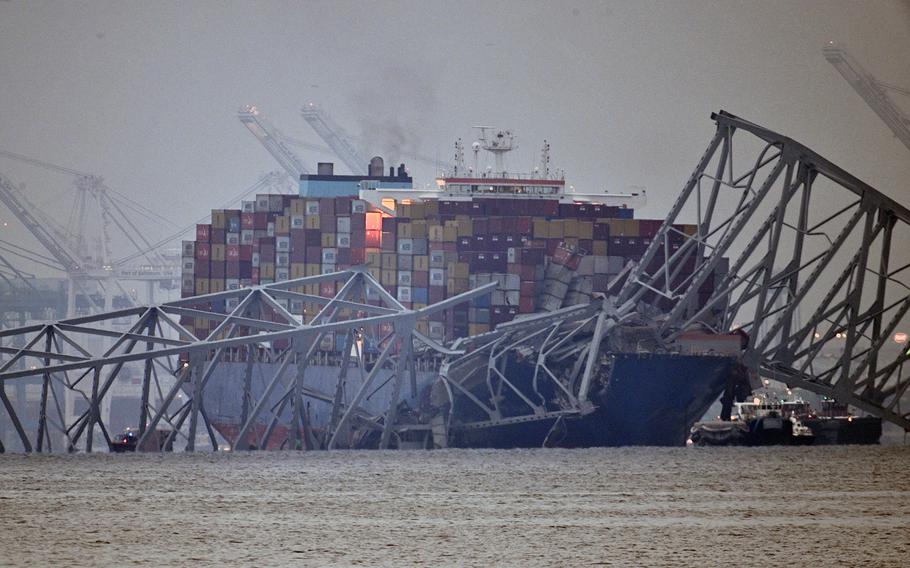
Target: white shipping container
(404, 293)
(513, 282)
(297, 222)
(358, 206)
(189, 249)
(282, 259)
(282, 274)
(343, 225)
(437, 259)
(283, 243)
(513, 297)
(343, 240)
(510, 255)
(405, 246)
(437, 277)
(248, 206)
(329, 256)
(246, 237)
(328, 267)
(312, 208)
(254, 259)
(233, 238)
(189, 265)
(437, 330)
(232, 284)
(404, 278)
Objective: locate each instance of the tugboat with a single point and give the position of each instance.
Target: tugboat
(766, 421)
(125, 442)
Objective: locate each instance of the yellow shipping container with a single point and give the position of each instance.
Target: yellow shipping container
(458, 270)
(585, 230)
(478, 328)
(389, 261)
(571, 242)
(311, 221)
(376, 273)
(374, 259)
(313, 269)
(298, 270)
(557, 229)
(219, 220)
(202, 286)
(690, 229)
(465, 226)
(218, 253)
(216, 285)
(630, 227)
(436, 233)
(312, 290)
(404, 230)
(201, 326)
(450, 233)
(267, 270)
(328, 240)
(617, 227)
(541, 229)
(423, 326)
(570, 228)
(421, 263)
(431, 208)
(297, 206)
(282, 225)
(599, 248)
(419, 229)
(389, 278)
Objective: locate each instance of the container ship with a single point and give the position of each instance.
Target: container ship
(547, 247)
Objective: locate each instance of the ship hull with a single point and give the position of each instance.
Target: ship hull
(651, 400)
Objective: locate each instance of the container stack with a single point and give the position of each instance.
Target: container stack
(542, 254)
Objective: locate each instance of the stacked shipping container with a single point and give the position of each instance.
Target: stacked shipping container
(430, 251)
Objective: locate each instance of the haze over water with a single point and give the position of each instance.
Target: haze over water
(815, 506)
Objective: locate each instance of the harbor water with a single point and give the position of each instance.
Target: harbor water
(793, 506)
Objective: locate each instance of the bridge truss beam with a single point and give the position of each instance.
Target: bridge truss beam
(177, 365)
(796, 252)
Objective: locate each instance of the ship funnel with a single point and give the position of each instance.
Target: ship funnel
(376, 167)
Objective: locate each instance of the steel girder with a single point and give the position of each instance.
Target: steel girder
(176, 365)
(796, 252)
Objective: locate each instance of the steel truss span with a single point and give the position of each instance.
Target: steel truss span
(176, 365)
(789, 248)
(808, 268)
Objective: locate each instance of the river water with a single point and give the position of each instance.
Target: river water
(814, 506)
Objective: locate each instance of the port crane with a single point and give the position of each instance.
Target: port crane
(335, 137)
(873, 91)
(68, 246)
(273, 141)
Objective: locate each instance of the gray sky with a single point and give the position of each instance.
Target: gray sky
(146, 93)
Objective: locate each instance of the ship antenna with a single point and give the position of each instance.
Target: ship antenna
(459, 156)
(545, 159)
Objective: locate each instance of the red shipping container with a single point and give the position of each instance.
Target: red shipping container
(203, 251)
(232, 253)
(314, 253)
(373, 239)
(358, 239)
(420, 279)
(358, 256)
(232, 270)
(246, 253)
(219, 236)
(203, 233)
(261, 221)
(254, 274)
(326, 289)
(526, 305)
(437, 294)
(326, 207)
(528, 288)
(246, 221)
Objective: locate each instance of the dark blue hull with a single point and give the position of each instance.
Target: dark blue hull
(651, 400)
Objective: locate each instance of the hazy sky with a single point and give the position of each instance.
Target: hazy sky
(146, 93)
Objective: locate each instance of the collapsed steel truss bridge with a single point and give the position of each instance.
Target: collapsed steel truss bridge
(789, 248)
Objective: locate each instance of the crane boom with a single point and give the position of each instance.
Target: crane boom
(272, 140)
(337, 139)
(22, 209)
(873, 91)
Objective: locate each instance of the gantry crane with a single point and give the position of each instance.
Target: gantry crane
(873, 91)
(67, 246)
(273, 141)
(335, 136)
